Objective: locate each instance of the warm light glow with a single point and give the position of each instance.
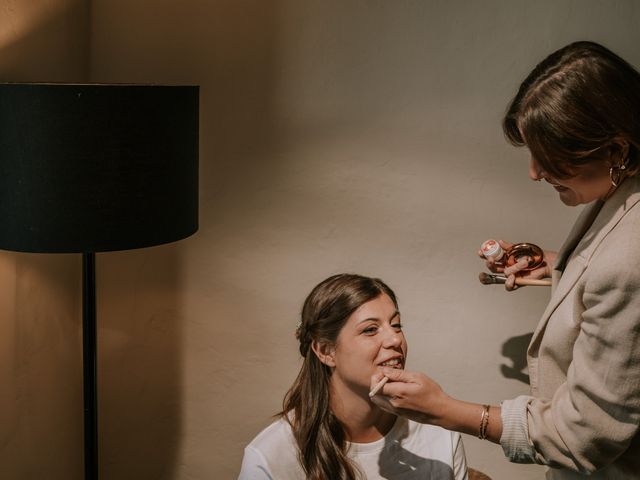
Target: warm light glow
(19, 18)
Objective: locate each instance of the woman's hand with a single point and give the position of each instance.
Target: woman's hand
(543, 271)
(409, 394)
(417, 397)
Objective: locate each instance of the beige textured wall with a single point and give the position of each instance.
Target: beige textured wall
(338, 136)
(335, 136)
(40, 346)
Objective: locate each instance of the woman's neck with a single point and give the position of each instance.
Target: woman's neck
(613, 188)
(362, 420)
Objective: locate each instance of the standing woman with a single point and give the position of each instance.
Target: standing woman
(578, 113)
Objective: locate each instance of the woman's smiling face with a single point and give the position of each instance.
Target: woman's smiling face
(590, 183)
(371, 337)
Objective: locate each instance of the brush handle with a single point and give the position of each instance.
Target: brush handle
(521, 282)
(378, 386)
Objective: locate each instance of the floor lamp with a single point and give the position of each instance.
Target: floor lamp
(87, 168)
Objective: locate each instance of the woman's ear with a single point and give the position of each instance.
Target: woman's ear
(325, 352)
(619, 151)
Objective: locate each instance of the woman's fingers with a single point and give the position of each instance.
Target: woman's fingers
(492, 267)
(490, 262)
(396, 385)
(505, 245)
(537, 274)
(397, 375)
(375, 378)
(516, 267)
(409, 394)
(385, 403)
(406, 386)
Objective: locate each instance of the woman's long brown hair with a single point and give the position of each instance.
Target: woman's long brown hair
(572, 107)
(318, 433)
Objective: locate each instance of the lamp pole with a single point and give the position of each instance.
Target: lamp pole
(89, 366)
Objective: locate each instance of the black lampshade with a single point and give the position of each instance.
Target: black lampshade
(97, 167)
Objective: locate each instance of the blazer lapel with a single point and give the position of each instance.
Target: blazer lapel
(592, 226)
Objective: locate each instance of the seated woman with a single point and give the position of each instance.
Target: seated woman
(329, 429)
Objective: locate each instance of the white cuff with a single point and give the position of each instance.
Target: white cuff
(515, 431)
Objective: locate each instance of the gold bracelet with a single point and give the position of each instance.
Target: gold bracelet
(484, 422)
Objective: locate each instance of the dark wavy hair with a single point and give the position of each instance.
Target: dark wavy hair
(319, 435)
(573, 106)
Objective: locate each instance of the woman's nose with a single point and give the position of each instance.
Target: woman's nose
(535, 172)
(393, 338)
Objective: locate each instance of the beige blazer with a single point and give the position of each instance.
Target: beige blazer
(584, 357)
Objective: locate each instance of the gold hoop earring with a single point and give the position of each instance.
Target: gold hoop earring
(617, 171)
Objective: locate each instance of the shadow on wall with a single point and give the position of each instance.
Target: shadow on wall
(40, 315)
(41, 374)
(515, 349)
(139, 369)
(227, 48)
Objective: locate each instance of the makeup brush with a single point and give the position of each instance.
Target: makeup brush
(378, 386)
(490, 279)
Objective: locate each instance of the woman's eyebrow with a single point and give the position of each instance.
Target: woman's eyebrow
(369, 319)
(376, 319)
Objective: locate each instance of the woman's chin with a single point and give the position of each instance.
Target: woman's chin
(568, 198)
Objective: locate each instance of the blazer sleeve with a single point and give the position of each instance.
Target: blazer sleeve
(594, 415)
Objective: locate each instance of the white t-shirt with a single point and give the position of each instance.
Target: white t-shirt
(409, 451)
